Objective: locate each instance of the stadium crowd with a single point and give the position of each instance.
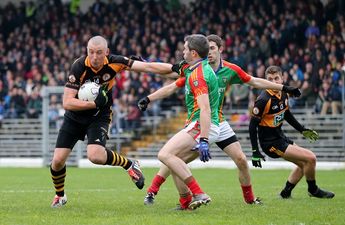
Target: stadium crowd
(39, 41)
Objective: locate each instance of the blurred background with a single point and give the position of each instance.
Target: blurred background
(40, 39)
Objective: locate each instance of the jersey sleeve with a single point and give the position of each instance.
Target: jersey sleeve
(242, 76)
(180, 82)
(258, 109)
(198, 83)
(119, 63)
(76, 72)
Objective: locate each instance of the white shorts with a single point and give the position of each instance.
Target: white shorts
(225, 131)
(194, 130)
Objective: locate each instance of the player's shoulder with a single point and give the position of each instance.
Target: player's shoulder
(264, 96)
(78, 66)
(118, 59)
(231, 66)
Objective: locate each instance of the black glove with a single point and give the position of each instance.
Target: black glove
(256, 157)
(295, 92)
(137, 58)
(312, 135)
(143, 103)
(178, 66)
(102, 97)
(204, 150)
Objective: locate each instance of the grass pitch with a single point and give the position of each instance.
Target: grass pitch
(108, 196)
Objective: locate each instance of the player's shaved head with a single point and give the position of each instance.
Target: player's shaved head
(97, 41)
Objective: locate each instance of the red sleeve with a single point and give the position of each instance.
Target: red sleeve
(197, 82)
(180, 82)
(245, 77)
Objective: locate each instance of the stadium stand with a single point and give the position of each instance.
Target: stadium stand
(305, 38)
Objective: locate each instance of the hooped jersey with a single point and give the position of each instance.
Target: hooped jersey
(199, 79)
(82, 72)
(228, 74)
(270, 109)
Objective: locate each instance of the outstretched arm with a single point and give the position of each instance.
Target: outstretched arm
(265, 84)
(152, 67)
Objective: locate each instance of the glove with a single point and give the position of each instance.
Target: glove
(204, 150)
(295, 92)
(143, 103)
(137, 58)
(178, 66)
(312, 135)
(256, 158)
(102, 97)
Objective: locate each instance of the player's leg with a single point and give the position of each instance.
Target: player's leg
(232, 147)
(306, 160)
(161, 176)
(97, 153)
(64, 144)
(294, 177)
(156, 183)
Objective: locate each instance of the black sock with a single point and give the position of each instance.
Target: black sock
(312, 187)
(115, 159)
(288, 187)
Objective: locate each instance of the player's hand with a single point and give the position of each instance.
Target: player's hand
(204, 150)
(137, 58)
(256, 158)
(295, 92)
(102, 97)
(178, 66)
(143, 103)
(312, 135)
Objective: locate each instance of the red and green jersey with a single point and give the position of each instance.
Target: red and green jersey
(228, 74)
(200, 79)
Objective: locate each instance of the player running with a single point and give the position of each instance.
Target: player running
(227, 74)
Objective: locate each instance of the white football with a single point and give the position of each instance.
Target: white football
(88, 91)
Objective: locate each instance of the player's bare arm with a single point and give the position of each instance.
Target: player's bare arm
(264, 84)
(70, 102)
(152, 67)
(205, 114)
(163, 92)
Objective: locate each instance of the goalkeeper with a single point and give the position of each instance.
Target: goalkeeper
(269, 111)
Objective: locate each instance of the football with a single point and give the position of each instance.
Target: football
(88, 91)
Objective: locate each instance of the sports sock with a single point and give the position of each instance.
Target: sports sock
(248, 194)
(156, 184)
(58, 178)
(185, 199)
(115, 159)
(193, 186)
(289, 186)
(312, 187)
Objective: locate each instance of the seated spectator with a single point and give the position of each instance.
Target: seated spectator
(240, 95)
(331, 97)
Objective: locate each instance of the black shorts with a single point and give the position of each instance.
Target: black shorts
(72, 131)
(223, 144)
(275, 149)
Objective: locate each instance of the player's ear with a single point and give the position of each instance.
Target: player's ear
(221, 49)
(107, 51)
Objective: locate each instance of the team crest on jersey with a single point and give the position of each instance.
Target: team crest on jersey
(106, 77)
(71, 78)
(196, 83)
(256, 111)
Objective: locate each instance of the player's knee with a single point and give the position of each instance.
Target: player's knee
(312, 159)
(162, 156)
(58, 163)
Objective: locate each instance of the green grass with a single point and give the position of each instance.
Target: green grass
(107, 196)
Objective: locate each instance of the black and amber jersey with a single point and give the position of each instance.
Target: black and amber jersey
(82, 72)
(269, 110)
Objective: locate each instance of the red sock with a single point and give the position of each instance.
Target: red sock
(194, 186)
(185, 199)
(156, 184)
(248, 194)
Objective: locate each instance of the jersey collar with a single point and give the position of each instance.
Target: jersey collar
(191, 68)
(221, 65)
(88, 63)
(277, 95)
